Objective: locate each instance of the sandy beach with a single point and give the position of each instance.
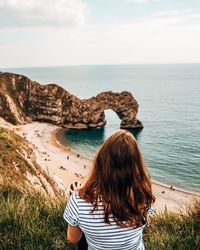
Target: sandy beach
(68, 167)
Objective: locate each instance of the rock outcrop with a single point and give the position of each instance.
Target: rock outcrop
(23, 101)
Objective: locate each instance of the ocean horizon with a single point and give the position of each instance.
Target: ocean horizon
(169, 108)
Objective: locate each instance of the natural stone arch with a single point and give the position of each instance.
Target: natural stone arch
(23, 100)
(92, 110)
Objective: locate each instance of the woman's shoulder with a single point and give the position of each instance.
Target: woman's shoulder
(75, 196)
(84, 204)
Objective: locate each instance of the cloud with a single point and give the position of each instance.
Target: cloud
(163, 37)
(181, 17)
(142, 1)
(37, 13)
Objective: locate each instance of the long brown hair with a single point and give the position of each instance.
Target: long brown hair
(120, 180)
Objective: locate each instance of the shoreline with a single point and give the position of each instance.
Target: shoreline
(57, 143)
(69, 167)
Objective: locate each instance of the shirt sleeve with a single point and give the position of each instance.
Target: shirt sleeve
(71, 214)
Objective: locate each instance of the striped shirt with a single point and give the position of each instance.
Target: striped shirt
(101, 236)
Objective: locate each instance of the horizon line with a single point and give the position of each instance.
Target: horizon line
(98, 64)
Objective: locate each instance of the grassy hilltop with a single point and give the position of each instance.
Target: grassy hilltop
(32, 219)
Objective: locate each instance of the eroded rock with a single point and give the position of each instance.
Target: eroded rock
(23, 101)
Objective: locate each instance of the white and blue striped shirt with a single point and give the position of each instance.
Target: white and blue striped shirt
(101, 236)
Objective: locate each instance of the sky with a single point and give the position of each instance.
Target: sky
(35, 33)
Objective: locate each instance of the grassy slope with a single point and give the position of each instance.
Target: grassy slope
(17, 162)
(36, 222)
(32, 220)
(170, 231)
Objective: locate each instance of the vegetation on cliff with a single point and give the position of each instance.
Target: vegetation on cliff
(31, 204)
(30, 220)
(175, 231)
(18, 164)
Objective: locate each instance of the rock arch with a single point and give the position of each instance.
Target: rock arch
(92, 110)
(23, 100)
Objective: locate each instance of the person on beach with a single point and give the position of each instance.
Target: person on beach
(113, 206)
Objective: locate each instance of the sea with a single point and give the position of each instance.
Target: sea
(169, 108)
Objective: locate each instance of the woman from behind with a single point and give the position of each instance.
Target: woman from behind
(111, 209)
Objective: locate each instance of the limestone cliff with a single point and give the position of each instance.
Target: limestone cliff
(19, 166)
(23, 101)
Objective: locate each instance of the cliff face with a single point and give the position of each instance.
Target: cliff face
(23, 100)
(18, 165)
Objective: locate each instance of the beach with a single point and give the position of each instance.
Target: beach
(69, 168)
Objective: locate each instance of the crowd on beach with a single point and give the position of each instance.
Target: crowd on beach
(45, 156)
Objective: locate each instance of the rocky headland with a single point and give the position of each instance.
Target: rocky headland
(23, 101)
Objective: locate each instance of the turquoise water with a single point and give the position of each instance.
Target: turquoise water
(169, 99)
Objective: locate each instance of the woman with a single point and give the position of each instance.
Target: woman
(111, 209)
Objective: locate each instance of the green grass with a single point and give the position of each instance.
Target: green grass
(169, 231)
(31, 221)
(35, 221)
